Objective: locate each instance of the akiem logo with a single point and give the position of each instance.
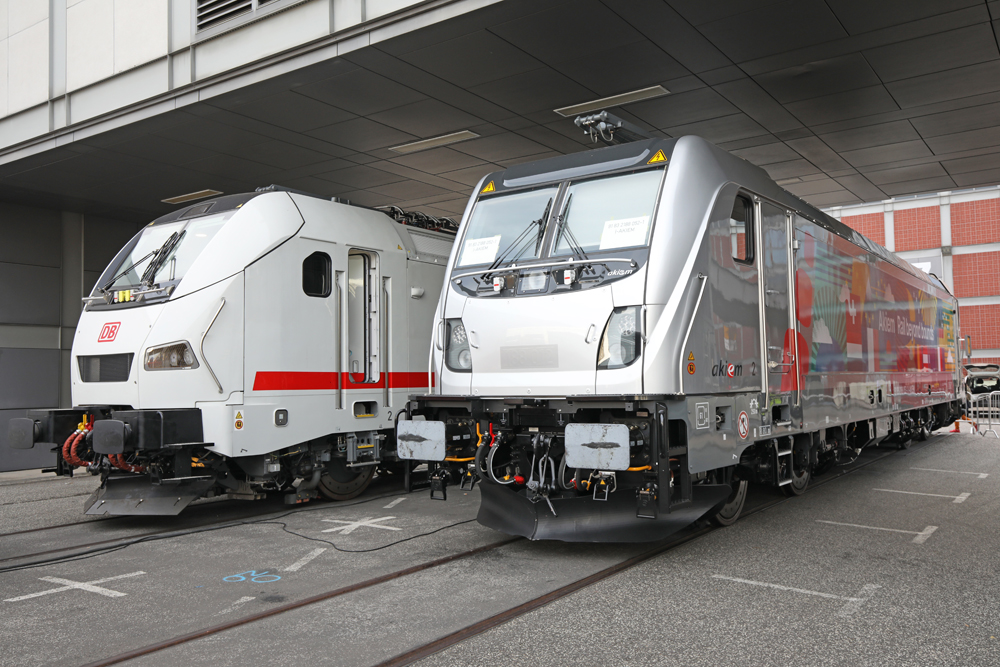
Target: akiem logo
(726, 369)
(108, 332)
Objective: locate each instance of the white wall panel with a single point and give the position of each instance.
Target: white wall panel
(376, 8)
(28, 71)
(277, 33)
(133, 86)
(3, 76)
(346, 13)
(90, 33)
(23, 14)
(141, 30)
(3, 18)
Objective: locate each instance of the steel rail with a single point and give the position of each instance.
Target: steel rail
(420, 652)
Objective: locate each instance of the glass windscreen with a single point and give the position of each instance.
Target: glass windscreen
(509, 226)
(608, 213)
(192, 236)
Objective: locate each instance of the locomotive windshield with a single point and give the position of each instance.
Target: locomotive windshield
(608, 213)
(507, 227)
(163, 253)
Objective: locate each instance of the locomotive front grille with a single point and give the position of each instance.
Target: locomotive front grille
(105, 367)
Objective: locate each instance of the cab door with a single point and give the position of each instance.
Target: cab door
(361, 324)
(780, 339)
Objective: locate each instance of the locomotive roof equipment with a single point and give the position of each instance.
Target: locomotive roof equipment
(629, 335)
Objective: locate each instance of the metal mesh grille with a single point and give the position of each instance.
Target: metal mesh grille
(105, 367)
(428, 245)
(214, 12)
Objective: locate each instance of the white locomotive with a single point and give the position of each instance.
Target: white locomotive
(251, 342)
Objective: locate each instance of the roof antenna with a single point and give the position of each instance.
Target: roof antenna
(610, 129)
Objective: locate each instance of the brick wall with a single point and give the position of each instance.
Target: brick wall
(918, 228)
(975, 222)
(982, 323)
(977, 274)
(871, 225)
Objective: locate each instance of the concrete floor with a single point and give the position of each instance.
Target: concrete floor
(778, 587)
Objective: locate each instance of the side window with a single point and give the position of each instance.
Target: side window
(316, 275)
(741, 230)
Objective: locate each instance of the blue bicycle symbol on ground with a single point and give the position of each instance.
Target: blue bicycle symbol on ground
(254, 576)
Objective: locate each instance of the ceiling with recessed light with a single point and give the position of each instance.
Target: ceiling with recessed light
(842, 101)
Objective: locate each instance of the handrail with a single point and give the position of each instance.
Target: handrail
(201, 345)
(680, 362)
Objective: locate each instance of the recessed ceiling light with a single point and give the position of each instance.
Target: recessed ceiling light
(191, 196)
(788, 181)
(613, 101)
(434, 142)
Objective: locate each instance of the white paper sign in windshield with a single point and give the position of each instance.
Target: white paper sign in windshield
(624, 233)
(480, 251)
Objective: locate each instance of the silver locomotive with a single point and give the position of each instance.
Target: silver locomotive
(628, 336)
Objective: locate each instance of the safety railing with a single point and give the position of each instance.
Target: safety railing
(984, 411)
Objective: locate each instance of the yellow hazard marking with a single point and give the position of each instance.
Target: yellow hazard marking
(239, 415)
(659, 157)
(489, 188)
(399, 247)
(690, 356)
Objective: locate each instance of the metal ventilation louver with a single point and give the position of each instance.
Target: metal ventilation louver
(214, 12)
(105, 367)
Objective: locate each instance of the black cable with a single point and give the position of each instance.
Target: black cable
(100, 551)
(288, 530)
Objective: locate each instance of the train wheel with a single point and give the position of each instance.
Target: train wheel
(730, 512)
(924, 430)
(342, 483)
(800, 482)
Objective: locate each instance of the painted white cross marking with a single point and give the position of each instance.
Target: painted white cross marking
(350, 526)
(960, 498)
(78, 585)
(394, 503)
(980, 475)
(853, 603)
(920, 538)
(302, 562)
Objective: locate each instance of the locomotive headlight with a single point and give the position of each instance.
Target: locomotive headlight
(457, 355)
(170, 357)
(622, 340)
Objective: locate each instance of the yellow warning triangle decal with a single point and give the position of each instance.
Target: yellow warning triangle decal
(659, 157)
(239, 415)
(690, 356)
(489, 188)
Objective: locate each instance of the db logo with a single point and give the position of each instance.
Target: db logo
(109, 332)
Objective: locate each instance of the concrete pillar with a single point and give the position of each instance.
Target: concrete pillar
(890, 227)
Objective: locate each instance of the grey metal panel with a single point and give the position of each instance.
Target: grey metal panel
(889, 153)
(767, 153)
(361, 92)
(30, 235)
(961, 141)
(969, 164)
(952, 84)
(915, 172)
(420, 440)
(486, 58)
(819, 78)
(871, 135)
(677, 109)
(361, 134)
(30, 378)
(986, 177)
(438, 160)
(30, 294)
(841, 106)
(860, 16)
(934, 53)
(21, 459)
(923, 185)
(102, 239)
(603, 73)
(959, 120)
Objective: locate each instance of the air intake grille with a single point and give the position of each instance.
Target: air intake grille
(105, 367)
(214, 12)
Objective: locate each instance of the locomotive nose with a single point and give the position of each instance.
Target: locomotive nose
(543, 345)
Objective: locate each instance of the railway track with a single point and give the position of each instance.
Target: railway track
(418, 653)
(112, 544)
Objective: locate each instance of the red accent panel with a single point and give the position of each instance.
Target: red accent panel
(324, 381)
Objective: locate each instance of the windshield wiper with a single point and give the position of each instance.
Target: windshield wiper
(574, 245)
(131, 266)
(161, 256)
(516, 242)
